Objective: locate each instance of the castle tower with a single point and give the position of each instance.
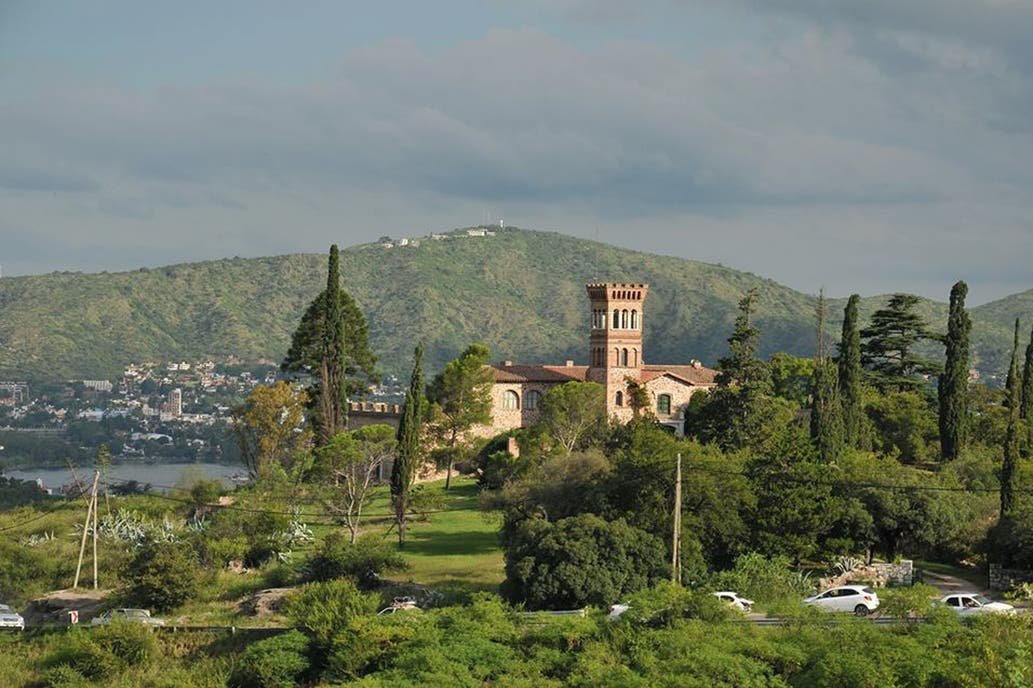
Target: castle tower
(615, 344)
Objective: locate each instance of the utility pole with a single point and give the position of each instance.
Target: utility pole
(676, 536)
(90, 513)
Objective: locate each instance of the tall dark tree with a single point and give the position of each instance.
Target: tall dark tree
(850, 374)
(331, 346)
(743, 374)
(888, 349)
(826, 410)
(1012, 400)
(953, 387)
(1026, 402)
(409, 451)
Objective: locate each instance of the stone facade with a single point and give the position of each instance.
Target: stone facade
(894, 574)
(616, 361)
(1006, 579)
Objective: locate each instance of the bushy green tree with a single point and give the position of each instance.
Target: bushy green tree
(362, 561)
(461, 398)
(889, 346)
(574, 414)
(904, 426)
(580, 560)
(324, 608)
(162, 575)
(953, 387)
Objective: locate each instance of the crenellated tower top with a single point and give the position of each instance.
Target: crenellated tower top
(615, 342)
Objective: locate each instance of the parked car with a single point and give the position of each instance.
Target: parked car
(859, 599)
(135, 615)
(616, 610)
(398, 604)
(10, 618)
(967, 603)
(733, 600)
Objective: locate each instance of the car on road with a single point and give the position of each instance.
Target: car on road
(617, 610)
(859, 599)
(733, 600)
(142, 616)
(10, 618)
(969, 603)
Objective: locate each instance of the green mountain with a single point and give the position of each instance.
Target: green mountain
(521, 292)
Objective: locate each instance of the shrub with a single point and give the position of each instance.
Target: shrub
(63, 676)
(364, 561)
(764, 580)
(580, 560)
(162, 575)
(132, 643)
(322, 609)
(275, 662)
(85, 657)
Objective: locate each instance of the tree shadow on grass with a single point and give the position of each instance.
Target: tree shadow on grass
(439, 543)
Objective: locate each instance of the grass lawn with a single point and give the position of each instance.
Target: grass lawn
(455, 549)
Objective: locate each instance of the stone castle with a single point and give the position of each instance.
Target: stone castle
(616, 361)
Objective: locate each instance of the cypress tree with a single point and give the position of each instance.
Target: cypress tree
(826, 410)
(1026, 402)
(330, 347)
(1011, 442)
(332, 397)
(850, 374)
(953, 387)
(407, 454)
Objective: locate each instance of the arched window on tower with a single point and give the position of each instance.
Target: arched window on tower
(616, 318)
(619, 399)
(634, 357)
(510, 400)
(634, 320)
(624, 318)
(624, 358)
(616, 357)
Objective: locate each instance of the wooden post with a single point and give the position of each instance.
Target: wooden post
(96, 508)
(676, 536)
(86, 529)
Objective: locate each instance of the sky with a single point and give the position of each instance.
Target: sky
(856, 147)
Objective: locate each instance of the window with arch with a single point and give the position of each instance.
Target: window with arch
(531, 399)
(634, 357)
(634, 319)
(624, 358)
(619, 399)
(663, 404)
(624, 318)
(616, 357)
(510, 400)
(616, 318)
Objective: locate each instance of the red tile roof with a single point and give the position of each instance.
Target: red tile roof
(559, 374)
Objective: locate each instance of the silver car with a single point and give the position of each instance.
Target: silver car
(10, 618)
(134, 615)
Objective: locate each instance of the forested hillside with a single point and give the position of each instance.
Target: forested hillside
(521, 292)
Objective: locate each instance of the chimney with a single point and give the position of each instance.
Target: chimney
(507, 364)
(570, 364)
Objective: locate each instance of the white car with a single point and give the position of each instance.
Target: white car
(10, 618)
(135, 615)
(617, 610)
(733, 600)
(859, 599)
(967, 603)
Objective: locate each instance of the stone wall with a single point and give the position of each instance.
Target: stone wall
(1006, 579)
(893, 574)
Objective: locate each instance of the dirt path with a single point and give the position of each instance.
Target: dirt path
(947, 584)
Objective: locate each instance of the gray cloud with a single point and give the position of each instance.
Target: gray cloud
(751, 144)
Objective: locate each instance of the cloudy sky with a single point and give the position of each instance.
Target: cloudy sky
(869, 146)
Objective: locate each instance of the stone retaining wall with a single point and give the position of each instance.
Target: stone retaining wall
(1006, 579)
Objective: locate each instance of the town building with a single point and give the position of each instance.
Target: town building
(617, 361)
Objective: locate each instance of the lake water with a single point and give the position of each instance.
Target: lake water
(157, 474)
